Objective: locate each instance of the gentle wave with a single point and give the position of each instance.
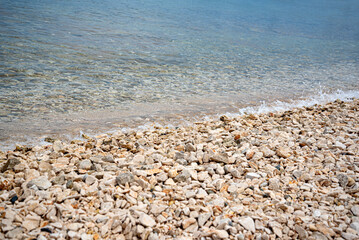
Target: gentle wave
(265, 107)
(279, 106)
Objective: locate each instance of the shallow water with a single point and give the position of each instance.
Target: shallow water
(71, 66)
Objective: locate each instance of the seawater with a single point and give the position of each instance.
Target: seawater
(92, 66)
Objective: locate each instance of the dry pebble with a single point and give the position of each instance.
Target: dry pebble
(147, 220)
(248, 224)
(281, 175)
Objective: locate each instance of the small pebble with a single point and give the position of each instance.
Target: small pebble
(14, 199)
(263, 176)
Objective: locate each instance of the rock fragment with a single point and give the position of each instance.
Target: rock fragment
(41, 183)
(10, 164)
(349, 236)
(203, 218)
(147, 220)
(187, 222)
(85, 164)
(220, 158)
(158, 208)
(15, 233)
(248, 223)
(283, 152)
(124, 178)
(343, 180)
(355, 210)
(31, 222)
(190, 148)
(183, 176)
(221, 234)
(252, 175)
(355, 226)
(57, 146)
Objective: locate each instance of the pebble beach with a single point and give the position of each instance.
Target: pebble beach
(278, 175)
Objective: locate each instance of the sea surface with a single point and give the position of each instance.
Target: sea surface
(68, 67)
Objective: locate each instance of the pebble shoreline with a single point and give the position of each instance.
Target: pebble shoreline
(281, 175)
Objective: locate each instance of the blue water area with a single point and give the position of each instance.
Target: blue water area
(61, 57)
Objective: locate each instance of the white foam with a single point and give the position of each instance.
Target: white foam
(277, 106)
(280, 106)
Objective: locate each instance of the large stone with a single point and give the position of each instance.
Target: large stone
(74, 226)
(343, 180)
(283, 152)
(278, 232)
(220, 158)
(274, 184)
(248, 224)
(147, 220)
(85, 164)
(63, 161)
(10, 164)
(21, 167)
(85, 236)
(31, 222)
(339, 145)
(40, 210)
(192, 228)
(57, 146)
(355, 226)
(90, 180)
(201, 193)
(59, 180)
(203, 176)
(350, 236)
(319, 236)
(257, 156)
(31, 174)
(203, 218)
(41, 183)
(138, 159)
(157, 208)
(172, 173)
(187, 222)
(72, 234)
(297, 174)
(267, 152)
(252, 175)
(190, 148)
(236, 173)
(185, 174)
(108, 158)
(190, 193)
(124, 178)
(324, 229)
(10, 214)
(355, 210)
(221, 234)
(15, 233)
(44, 166)
(170, 182)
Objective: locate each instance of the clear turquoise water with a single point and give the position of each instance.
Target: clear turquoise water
(82, 65)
